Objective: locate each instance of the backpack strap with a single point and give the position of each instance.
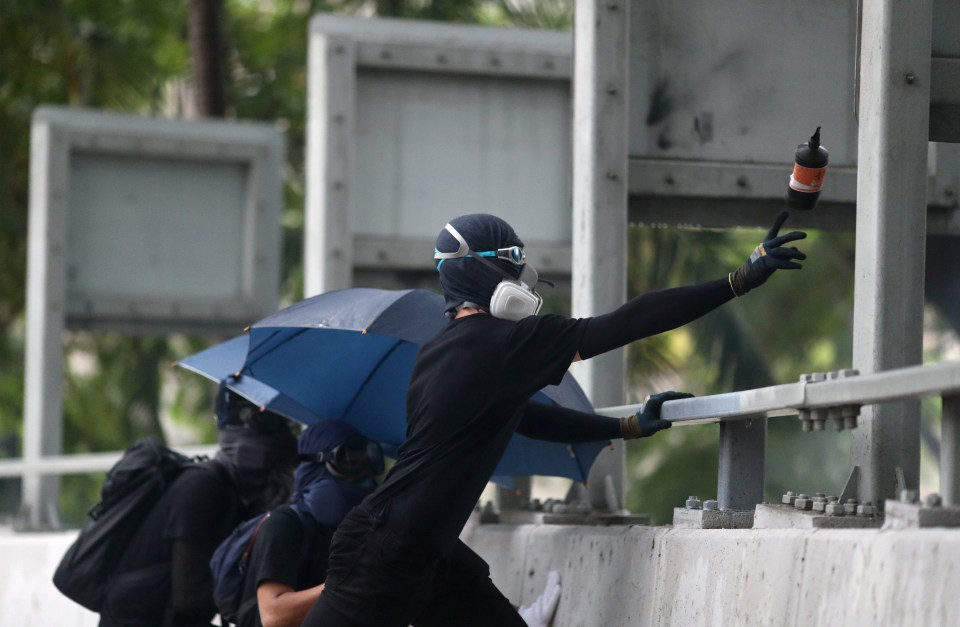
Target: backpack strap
(245, 556)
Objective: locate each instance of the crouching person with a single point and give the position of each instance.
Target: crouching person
(161, 578)
(287, 561)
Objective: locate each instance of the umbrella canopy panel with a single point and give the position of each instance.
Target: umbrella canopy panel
(360, 377)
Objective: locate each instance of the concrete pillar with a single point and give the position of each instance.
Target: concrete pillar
(601, 36)
(894, 102)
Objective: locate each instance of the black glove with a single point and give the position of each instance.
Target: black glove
(767, 258)
(647, 420)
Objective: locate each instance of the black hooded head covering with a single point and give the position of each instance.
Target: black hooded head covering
(465, 279)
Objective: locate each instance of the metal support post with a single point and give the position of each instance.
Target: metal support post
(601, 29)
(950, 450)
(743, 446)
(894, 103)
(46, 311)
(328, 236)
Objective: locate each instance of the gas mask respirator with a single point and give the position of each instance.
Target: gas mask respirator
(513, 298)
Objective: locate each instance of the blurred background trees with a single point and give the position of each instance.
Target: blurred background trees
(247, 59)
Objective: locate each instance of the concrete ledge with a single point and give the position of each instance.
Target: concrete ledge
(663, 576)
(637, 575)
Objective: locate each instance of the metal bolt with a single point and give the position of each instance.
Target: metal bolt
(932, 500)
(803, 502)
(833, 499)
(692, 503)
(536, 505)
(819, 506)
(805, 423)
(850, 507)
(582, 508)
(820, 495)
(866, 510)
(789, 498)
(711, 505)
(561, 508)
(850, 413)
(909, 496)
(833, 509)
(834, 414)
(910, 78)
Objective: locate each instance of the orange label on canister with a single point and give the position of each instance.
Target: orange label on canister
(807, 180)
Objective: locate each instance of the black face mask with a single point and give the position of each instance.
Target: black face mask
(261, 463)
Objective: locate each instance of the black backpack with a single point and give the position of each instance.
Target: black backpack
(132, 487)
(230, 561)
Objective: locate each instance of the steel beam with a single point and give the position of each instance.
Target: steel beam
(601, 30)
(894, 107)
(740, 475)
(949, 450)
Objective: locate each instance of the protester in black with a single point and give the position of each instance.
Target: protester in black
(288, 563)
(396, 559)
(163, 577)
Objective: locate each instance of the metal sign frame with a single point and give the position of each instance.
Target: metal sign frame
(59, 138)
(340, 49)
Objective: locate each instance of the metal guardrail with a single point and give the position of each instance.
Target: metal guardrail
(80, 464)
(789, 399)
(816, 398)
(741, 416)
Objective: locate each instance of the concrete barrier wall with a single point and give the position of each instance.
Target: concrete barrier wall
(28, 597)
(664, 576)
(613, 576)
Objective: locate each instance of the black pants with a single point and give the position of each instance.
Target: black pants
(376, 578)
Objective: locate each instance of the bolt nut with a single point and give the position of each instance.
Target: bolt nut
(932, 500)
(711, 505)
(833, 509)
(819, 507)
(866, 510)
(803, 503)
(788, 498)
(833, 499)
(850, 507)
(692, 503)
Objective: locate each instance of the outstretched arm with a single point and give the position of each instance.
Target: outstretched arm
(559, 424)
(663, 310)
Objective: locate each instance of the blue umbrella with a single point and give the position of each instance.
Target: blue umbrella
(348, 355)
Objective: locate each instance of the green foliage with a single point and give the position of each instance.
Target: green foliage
(124, 55)
(799, 321)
